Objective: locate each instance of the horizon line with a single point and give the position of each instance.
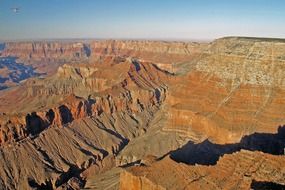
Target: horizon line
(103, 38)
(71, 39)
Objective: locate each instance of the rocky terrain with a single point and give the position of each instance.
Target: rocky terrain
(240, 170)
(145, 115)
(50, 51)
(44, 58)
(12, 72)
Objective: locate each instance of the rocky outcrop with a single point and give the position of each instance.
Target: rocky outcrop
(81, 79)
(18, 126)
(238, 170)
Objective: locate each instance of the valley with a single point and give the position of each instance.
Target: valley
(138, 114)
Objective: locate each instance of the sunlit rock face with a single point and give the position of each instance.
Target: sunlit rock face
(44, 58)
(246, 61)
(46, 50)
(239, 170)
(156, 51)
(150, 103)
(236, 88)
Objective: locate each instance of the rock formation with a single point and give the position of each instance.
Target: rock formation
(41, 51)
(112, 112)
(236, 171)
(155, 104)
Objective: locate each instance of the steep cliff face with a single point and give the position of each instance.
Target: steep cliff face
(164, 54)
(246, 61)
(46, 51)
(232, 90)
(18, 126)
(146, 47)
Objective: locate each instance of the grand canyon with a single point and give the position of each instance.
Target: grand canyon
(142, 114)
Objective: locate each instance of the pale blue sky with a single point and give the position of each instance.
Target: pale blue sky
(148, 19)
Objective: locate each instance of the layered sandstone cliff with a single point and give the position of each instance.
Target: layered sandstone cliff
(234, 89)
(204, 104)
(125, 100)
(46, 57)
(158, 52)
(46, 51)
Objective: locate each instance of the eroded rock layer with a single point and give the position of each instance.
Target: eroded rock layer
(47, 56)
(40, 51)
(115, 103)
(113, 112)
(235, 171)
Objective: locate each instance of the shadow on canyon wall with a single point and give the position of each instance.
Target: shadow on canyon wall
(263, 185)
(16, 71)
(2, 46)
(208, 153)
(35, 124)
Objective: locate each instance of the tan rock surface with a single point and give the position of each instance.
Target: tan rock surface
(235, 171)
(68, 133)
(127, 100)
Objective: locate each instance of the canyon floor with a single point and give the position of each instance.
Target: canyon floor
(128, 115)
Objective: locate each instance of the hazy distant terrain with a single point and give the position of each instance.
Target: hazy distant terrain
(13, 73)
